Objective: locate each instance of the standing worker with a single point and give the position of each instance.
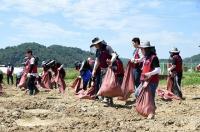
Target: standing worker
(10, 69)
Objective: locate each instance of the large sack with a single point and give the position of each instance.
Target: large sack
(127, 86)
(167, 95)
(61, 83)
(46, 81)
(75, 82)
(169, 83)
(110, 87)
(78, 85)
(145, 103)
(22, 82)
(90, 94)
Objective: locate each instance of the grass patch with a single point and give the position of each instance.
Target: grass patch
(189, 78)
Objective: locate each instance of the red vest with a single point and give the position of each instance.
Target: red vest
(147, 68)
(178, 59)
(103, 57)
(34, 70)
(137, 56)
(120, 67)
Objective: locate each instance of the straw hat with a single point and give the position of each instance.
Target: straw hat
(174, 50)
(96, 41)
(146, 45)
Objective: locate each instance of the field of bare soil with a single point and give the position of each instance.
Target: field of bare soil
(49, 112)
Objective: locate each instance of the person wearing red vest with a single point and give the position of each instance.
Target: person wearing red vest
(10, 70)
(175, 71)
(137, 60)
(105, 57)
(150, 71)
(32, 73)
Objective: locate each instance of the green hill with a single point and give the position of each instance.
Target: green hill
(193, 59)
(65, 55)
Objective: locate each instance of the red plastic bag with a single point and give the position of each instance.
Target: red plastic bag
(22, 82)
(77, 87)
(61, 82)
(169, 84)
(167, 95)
(75, 82)
(90, 94)
(145, 103)
(110, 87)
(127, 86)
(46, 81)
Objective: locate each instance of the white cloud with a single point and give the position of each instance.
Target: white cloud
(34, 7)
(38, 29)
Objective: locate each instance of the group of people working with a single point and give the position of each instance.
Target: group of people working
(145, 73)
(145, 70)
(52, 76)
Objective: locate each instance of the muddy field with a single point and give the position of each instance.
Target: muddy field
(52, 112)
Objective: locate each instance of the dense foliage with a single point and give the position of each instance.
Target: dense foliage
(65, 55)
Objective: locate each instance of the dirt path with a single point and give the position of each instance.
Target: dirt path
(52, 112)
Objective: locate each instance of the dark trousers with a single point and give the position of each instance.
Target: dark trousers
(177, 85)
(31, 85)
(179, 75)
(17, 81)
(136, 75)
(98, 83)
(10, 77)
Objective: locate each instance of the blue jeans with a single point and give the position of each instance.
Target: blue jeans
(136, 75)
(153, 87)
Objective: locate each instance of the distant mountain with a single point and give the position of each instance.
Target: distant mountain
(193, 59)
(65, 55)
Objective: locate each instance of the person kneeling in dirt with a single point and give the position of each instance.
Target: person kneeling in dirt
(32, 73)
(105, 57)
(175, 72)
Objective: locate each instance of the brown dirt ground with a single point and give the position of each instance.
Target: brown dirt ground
(49, 112)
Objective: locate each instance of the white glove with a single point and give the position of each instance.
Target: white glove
(132, 60)
(28, 75)
(169, 69)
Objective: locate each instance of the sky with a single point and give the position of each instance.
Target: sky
(74, 23)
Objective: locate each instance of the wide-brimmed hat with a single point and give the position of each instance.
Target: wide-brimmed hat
(43, 63)
(174, 50)
(96, 41)
(146, 45)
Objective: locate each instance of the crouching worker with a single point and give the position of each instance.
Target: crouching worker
(145, 102)
(59, 76)
(175, 73)
(32, 73)
(46, 76)
(105, 57)
(86, 72)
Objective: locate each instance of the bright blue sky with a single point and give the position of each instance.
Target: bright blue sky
(166, 23)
